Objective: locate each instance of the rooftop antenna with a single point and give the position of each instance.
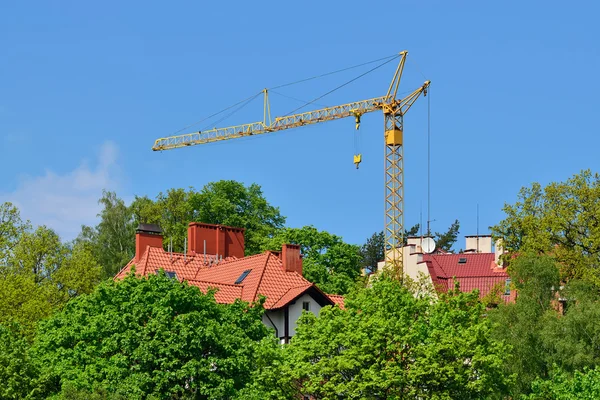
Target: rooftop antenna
(421, 221)
(185, 250)
(428, 163)
(204, 262)
(171, 250)
(478, 227)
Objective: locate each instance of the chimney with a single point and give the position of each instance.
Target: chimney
(291, 258)
(478, 244)
(221, 241)
(147, 235)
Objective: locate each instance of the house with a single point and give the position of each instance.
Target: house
(214, 259)
(478, 267)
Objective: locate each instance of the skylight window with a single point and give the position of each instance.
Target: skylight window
(242, 276)
(171, 274)
(462, 260)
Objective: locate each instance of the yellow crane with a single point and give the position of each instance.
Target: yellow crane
(393, 114)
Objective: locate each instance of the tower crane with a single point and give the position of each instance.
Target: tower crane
(393, 110)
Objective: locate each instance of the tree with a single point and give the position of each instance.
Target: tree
(172, 211)
(40, 274)
(536, 279)
(559, 219)
(39, 253)
(152, 337)
(11, 229)
(571, 340)
(387, 343)
(327, 261)
(584, 385)
(373, 252)
(445, 241)
(113, 239)
(16, 370)
(231, 203)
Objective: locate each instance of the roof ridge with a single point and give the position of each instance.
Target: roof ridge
(261, 275)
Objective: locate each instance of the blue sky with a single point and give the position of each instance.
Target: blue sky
(86, 88)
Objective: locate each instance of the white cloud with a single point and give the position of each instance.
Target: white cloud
(65, 202)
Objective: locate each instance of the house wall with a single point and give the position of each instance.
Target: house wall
(277, 318)
(296, 310)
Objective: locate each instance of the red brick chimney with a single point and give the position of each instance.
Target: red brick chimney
(291, 258)
(225, 241)
(147, 235)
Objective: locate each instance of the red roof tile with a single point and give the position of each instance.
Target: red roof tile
(224, 294)
(337, 299)
(265, 277)
(478, 272)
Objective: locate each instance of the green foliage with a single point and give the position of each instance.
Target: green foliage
(561, 219)
(112, 241)
(39, 273)
(327, 261)
(223, 202)
(11, 229)
(152, 337)
(24, 301)
(445, 241)
(16, 371)
(39, 253)
(231, 203)
(172, 211)
(389, 344)
(372, 252)
(572, 340)
(584, 385)
(520, 324)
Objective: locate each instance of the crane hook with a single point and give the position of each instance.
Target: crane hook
(357, 157)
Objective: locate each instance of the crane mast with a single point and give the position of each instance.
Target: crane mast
(393, 113)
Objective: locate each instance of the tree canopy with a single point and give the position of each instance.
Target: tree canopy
(149, 337)
(223, 202)
(39, 273)
(561, 219)
(327, 261)
(387, 343)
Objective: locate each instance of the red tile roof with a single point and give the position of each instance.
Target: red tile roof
(478, 272)
(337, 299)
(266, 277)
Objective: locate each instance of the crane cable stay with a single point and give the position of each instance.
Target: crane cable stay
(393, 110)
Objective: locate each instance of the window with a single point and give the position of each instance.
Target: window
(242, 276)
(306, 305)
(171, 274)
(462, 260)
(507, 287)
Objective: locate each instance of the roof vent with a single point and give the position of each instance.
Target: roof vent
(462, 260)
(242, 276)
